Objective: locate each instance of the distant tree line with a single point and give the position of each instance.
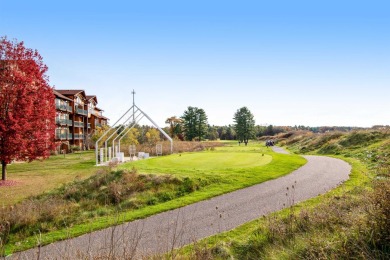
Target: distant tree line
(193, 126)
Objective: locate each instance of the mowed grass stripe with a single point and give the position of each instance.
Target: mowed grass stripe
(201, 161)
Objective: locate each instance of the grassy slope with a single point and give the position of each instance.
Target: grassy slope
(39, 176)
(257, 229)
(227, 174)
(343, 221)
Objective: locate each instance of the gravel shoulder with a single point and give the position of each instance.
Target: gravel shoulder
(165, 231)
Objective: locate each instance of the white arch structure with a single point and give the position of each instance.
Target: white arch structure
(137, 115)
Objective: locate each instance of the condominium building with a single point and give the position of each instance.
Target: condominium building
(76, 119)
(95, 115)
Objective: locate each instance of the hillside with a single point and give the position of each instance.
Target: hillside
(352, 221)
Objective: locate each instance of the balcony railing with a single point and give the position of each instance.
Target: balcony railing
(69, 108)
(78, 136)
(89, 125)
(78, 124)
(61, 107)
(98, 124)
(61, 121)
(69, 136)
(61, 136)
(81, 111)
(69, 122)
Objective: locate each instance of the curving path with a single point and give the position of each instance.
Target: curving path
(175, 228)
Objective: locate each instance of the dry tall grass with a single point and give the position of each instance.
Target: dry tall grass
(178, 147)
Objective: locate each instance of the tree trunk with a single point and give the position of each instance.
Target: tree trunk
(3, 170)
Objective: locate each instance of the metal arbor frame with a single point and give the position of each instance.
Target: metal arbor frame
(135, 115)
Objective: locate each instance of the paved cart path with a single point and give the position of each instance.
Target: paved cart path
(175, 228)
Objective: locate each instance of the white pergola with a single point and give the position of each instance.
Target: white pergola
(105, 152)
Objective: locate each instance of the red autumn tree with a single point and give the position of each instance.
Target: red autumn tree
(27, 108)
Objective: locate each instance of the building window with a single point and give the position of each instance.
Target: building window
(79, 101)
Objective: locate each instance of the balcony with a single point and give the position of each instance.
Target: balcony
(69, 108)
(81, 111)
(61, 107)
(78, 124)
(69, 122)
(70, 136)
(78, 136)
(61, 136)
(98, 124)
(61, 121)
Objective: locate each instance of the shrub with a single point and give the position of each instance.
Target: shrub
(115, 192)
(151, 200)
(187, 186)
(330, 148)
(165, 196)
(74, 148)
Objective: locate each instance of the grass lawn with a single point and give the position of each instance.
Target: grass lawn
(348, 222)
(226, 168)
(199, 163)
(218, 171)
(40, 176)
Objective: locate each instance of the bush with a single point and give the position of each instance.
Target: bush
(75, 148)
(330, 148)
(186, 187)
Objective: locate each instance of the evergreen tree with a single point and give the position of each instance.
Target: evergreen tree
(244, 125)
(194, 123)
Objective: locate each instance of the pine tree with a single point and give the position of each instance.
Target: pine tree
(194, 123)
(244, 125)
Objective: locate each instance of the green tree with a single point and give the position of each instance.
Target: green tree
(231, 133)
(194, 123)
(152, 136)
(131, 137)
(244, 125)
(99, 131)
(269, 130)
(174, 126)
(212, 133)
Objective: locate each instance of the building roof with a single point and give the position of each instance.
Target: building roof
(92, 97)
(99, 109)
(70, 92)
(56, 93)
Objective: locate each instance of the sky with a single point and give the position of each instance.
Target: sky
(312, 63)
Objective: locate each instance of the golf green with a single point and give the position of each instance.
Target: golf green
(202, 161)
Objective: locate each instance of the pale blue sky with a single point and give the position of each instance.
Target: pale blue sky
(290, 62)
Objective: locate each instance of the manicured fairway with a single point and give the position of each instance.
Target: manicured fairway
(202, 162)
(225, 169)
